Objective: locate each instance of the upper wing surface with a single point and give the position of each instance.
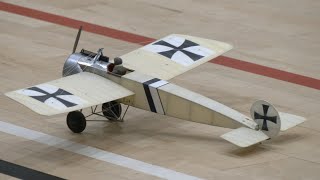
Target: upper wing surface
(69, 93)
(173, 55)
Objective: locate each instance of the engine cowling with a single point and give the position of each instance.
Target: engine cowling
(71, 65)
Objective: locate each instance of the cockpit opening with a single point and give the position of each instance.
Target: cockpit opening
(92, 55)
(97, 61)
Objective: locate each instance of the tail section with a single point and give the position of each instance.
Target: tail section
(245, 137)
(269, 123)
(289, 120)
(267, 118)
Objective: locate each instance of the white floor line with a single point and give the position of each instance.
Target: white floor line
(92, 152)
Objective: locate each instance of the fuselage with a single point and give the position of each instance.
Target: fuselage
(162, 97)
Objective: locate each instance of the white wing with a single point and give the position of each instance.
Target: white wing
(173, 55)
(69, 93)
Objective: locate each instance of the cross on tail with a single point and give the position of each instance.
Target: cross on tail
(265, 118)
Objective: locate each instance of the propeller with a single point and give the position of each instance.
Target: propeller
(77, 40)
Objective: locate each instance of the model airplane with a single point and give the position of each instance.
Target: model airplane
(88, 82)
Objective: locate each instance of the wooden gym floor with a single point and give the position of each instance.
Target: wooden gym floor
(275, 57)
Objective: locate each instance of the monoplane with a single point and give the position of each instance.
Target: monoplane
(88, 81)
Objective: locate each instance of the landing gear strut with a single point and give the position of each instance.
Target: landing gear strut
(77, 122)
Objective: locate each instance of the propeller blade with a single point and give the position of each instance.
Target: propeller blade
(77, 40)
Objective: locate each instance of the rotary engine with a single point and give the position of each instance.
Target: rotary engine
(84, 60)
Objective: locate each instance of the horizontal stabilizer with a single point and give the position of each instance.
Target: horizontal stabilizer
(245, 137)
(290, 120)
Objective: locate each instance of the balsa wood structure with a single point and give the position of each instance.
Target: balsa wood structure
(89, 81)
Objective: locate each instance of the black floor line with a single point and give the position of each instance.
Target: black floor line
(21, 172)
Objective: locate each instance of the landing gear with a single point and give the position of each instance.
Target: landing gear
(112, 110)
(76, 121)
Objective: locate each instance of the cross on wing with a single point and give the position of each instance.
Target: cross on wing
(69, 93)
(59, 95)
(186, 47)
(173, 55)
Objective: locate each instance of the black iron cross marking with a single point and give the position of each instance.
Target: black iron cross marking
(181, 48)
(54, 95)
(265, 117)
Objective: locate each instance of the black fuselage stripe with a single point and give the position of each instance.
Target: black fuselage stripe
(22, 172)
(148, 93)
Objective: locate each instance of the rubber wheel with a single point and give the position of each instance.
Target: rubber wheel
(76, 121)
(112, 110)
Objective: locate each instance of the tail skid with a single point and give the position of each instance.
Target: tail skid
(269, 121)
